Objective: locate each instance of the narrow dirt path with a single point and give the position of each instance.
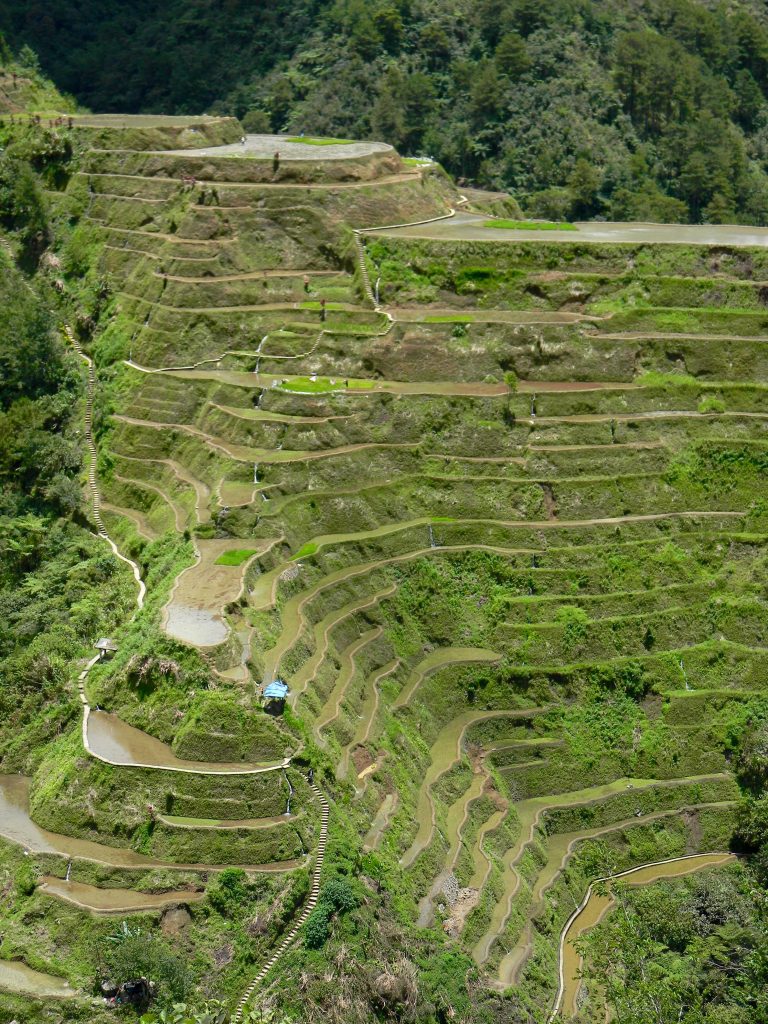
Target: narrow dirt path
(325, 808)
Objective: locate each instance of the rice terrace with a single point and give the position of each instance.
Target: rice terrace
(409, 641)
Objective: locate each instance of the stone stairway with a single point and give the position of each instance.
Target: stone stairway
(309, 906)
(363, 267)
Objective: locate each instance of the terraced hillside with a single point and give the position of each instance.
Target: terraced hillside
(495, 511)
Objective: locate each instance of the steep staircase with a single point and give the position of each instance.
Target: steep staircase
(363, 267)
(314, 895)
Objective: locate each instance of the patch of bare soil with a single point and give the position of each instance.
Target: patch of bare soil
(361, 759)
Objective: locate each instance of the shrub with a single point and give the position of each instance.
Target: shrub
(338, 894)
(337, 897)
(317, 928)
(711, 404)
(25, 880)
(139, 955)
(229, 892)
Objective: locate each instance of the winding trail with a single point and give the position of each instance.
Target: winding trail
(93, 487)
(94, 850)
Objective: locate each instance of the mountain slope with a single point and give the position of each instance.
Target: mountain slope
(652, 110)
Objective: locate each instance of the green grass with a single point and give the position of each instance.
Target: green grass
(306, 549)
(236, 557)
(323, 384)
(323, 142)
(529, 225)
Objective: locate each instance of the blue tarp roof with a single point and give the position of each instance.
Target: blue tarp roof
(276, 689)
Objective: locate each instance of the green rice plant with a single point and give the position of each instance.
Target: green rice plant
(236, 557)
(529, 225)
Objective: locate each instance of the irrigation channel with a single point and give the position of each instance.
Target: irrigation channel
(113, 741)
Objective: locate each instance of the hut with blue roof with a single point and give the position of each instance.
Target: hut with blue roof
(276, 693)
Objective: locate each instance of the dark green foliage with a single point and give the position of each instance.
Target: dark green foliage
(317, 929)
(753, 762)
(134, 954)
(654, 111)
(151, 46)
(229, 891)
(30, 354)
(337, 897)
(25, 879)
(693, 950)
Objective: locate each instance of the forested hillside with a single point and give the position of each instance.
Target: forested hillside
(621, 109)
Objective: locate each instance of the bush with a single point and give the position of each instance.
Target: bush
(138, 955)
(25, 880)
(338, 894)
(337, 897)
(317, 928)
(256, 121)
(229, 892)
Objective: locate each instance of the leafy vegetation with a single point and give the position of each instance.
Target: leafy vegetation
(523, 630)
(654, 111)
(693, 950)
(235, 557)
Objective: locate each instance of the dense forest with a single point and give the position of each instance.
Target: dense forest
(57, 585)
(655, 109)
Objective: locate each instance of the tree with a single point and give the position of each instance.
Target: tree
(486, 93)
(435, 43)
(280, 103)
(528, 15)
(694, 183)
(418, 98)
(655, 78)
(752, 822)
(719, 210)
(257, 121)
(28, 60)
(388, 23)
(749, 99)
(584, 183)
(511, 57)
(387, 115)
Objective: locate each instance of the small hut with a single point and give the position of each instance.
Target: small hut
(274, 696)
(105, 647)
